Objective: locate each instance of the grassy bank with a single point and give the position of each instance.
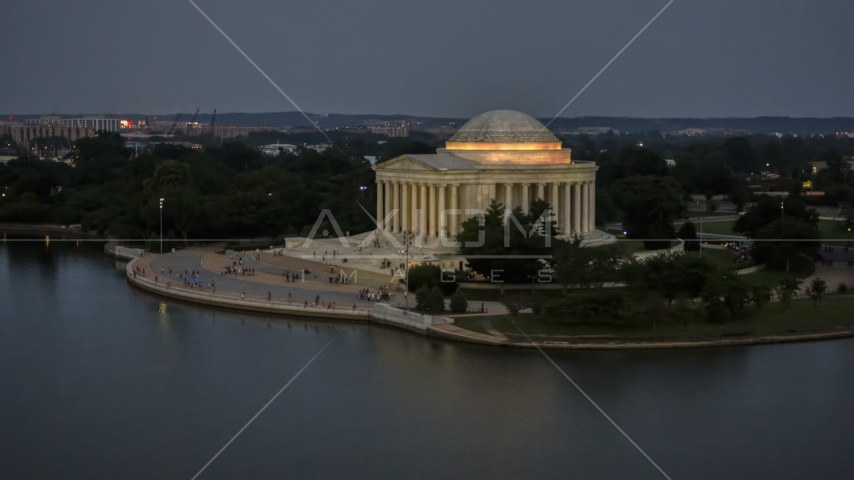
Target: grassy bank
(801, 317)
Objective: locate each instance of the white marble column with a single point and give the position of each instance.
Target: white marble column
(566, 217)
(387, 204)
(395, 205)
(576, 208)
(422, 213)
(555, 203)
(591, 204)
(404, 207)
(443, 215)
(585, 207)
(434, 230)
(541, 191)
(413, 207)
(525, 204)
(508, 198)
(455, 205)
(380, 185)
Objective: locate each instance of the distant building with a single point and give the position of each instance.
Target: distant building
(275, 149)
(96, 122)
(588, 131)
(23, 135)
(320, 147)
(670, 162)
(444, 131)
(302, 129)
(391, 131)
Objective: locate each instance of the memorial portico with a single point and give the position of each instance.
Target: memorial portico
(502, 155)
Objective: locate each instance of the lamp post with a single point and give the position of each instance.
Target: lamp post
(161, 225)
(782, 212)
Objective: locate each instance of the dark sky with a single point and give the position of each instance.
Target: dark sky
(430, 57)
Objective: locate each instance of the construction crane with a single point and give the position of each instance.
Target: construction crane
(174, 124)
(195, 115)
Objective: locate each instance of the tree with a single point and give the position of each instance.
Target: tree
(726, 294)
(459, 303)
(768, 210)
(437, 300)
(429, 299)
(430, 275)
(422, 298)
(760, 295)
(781, 240)
(816, 290)
(672, 274)
(688, 233)
(649, 205)
(511, 250)
(782, 232)
(786, 291)
(587, 267)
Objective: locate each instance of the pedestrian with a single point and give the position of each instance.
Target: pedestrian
(242, 295)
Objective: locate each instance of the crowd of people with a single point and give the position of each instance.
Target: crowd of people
(741, 252)
(367, 294)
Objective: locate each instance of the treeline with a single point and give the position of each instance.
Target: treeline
(230, 191)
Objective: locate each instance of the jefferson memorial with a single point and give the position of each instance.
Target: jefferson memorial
(502, 155)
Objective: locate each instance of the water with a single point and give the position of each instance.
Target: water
(99, 380)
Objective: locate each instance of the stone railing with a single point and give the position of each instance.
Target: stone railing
(385, 313)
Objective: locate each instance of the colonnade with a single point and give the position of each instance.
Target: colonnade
(434, 209)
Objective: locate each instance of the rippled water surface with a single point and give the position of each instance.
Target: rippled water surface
(99, 380)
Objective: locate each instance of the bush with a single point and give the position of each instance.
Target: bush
(459, 303)
(437, 300)
(842, 288)
(430, 275)
(429, 299)
(587, 306)
(717, 312)
(760, 295)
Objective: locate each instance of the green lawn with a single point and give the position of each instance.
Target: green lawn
(719, 228)
(831, 229)
(801, 316)
(696, 215)
(724, 258)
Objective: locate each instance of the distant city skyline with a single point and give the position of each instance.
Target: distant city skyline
(437, 59)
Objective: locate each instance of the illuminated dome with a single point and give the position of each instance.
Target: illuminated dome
(503, 126)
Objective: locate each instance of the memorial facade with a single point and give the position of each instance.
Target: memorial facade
(502, 155)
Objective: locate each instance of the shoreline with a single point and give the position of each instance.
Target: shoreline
(442, 327)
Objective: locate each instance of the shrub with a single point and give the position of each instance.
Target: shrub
(437, 300)
(760, 295)
(717, 312)
(842, 288)
(429, 299)
(587, 306)
(430, 275)
(459, 303)
(422, 298)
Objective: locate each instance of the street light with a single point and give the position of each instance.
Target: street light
(782, 212)
(161, 225)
